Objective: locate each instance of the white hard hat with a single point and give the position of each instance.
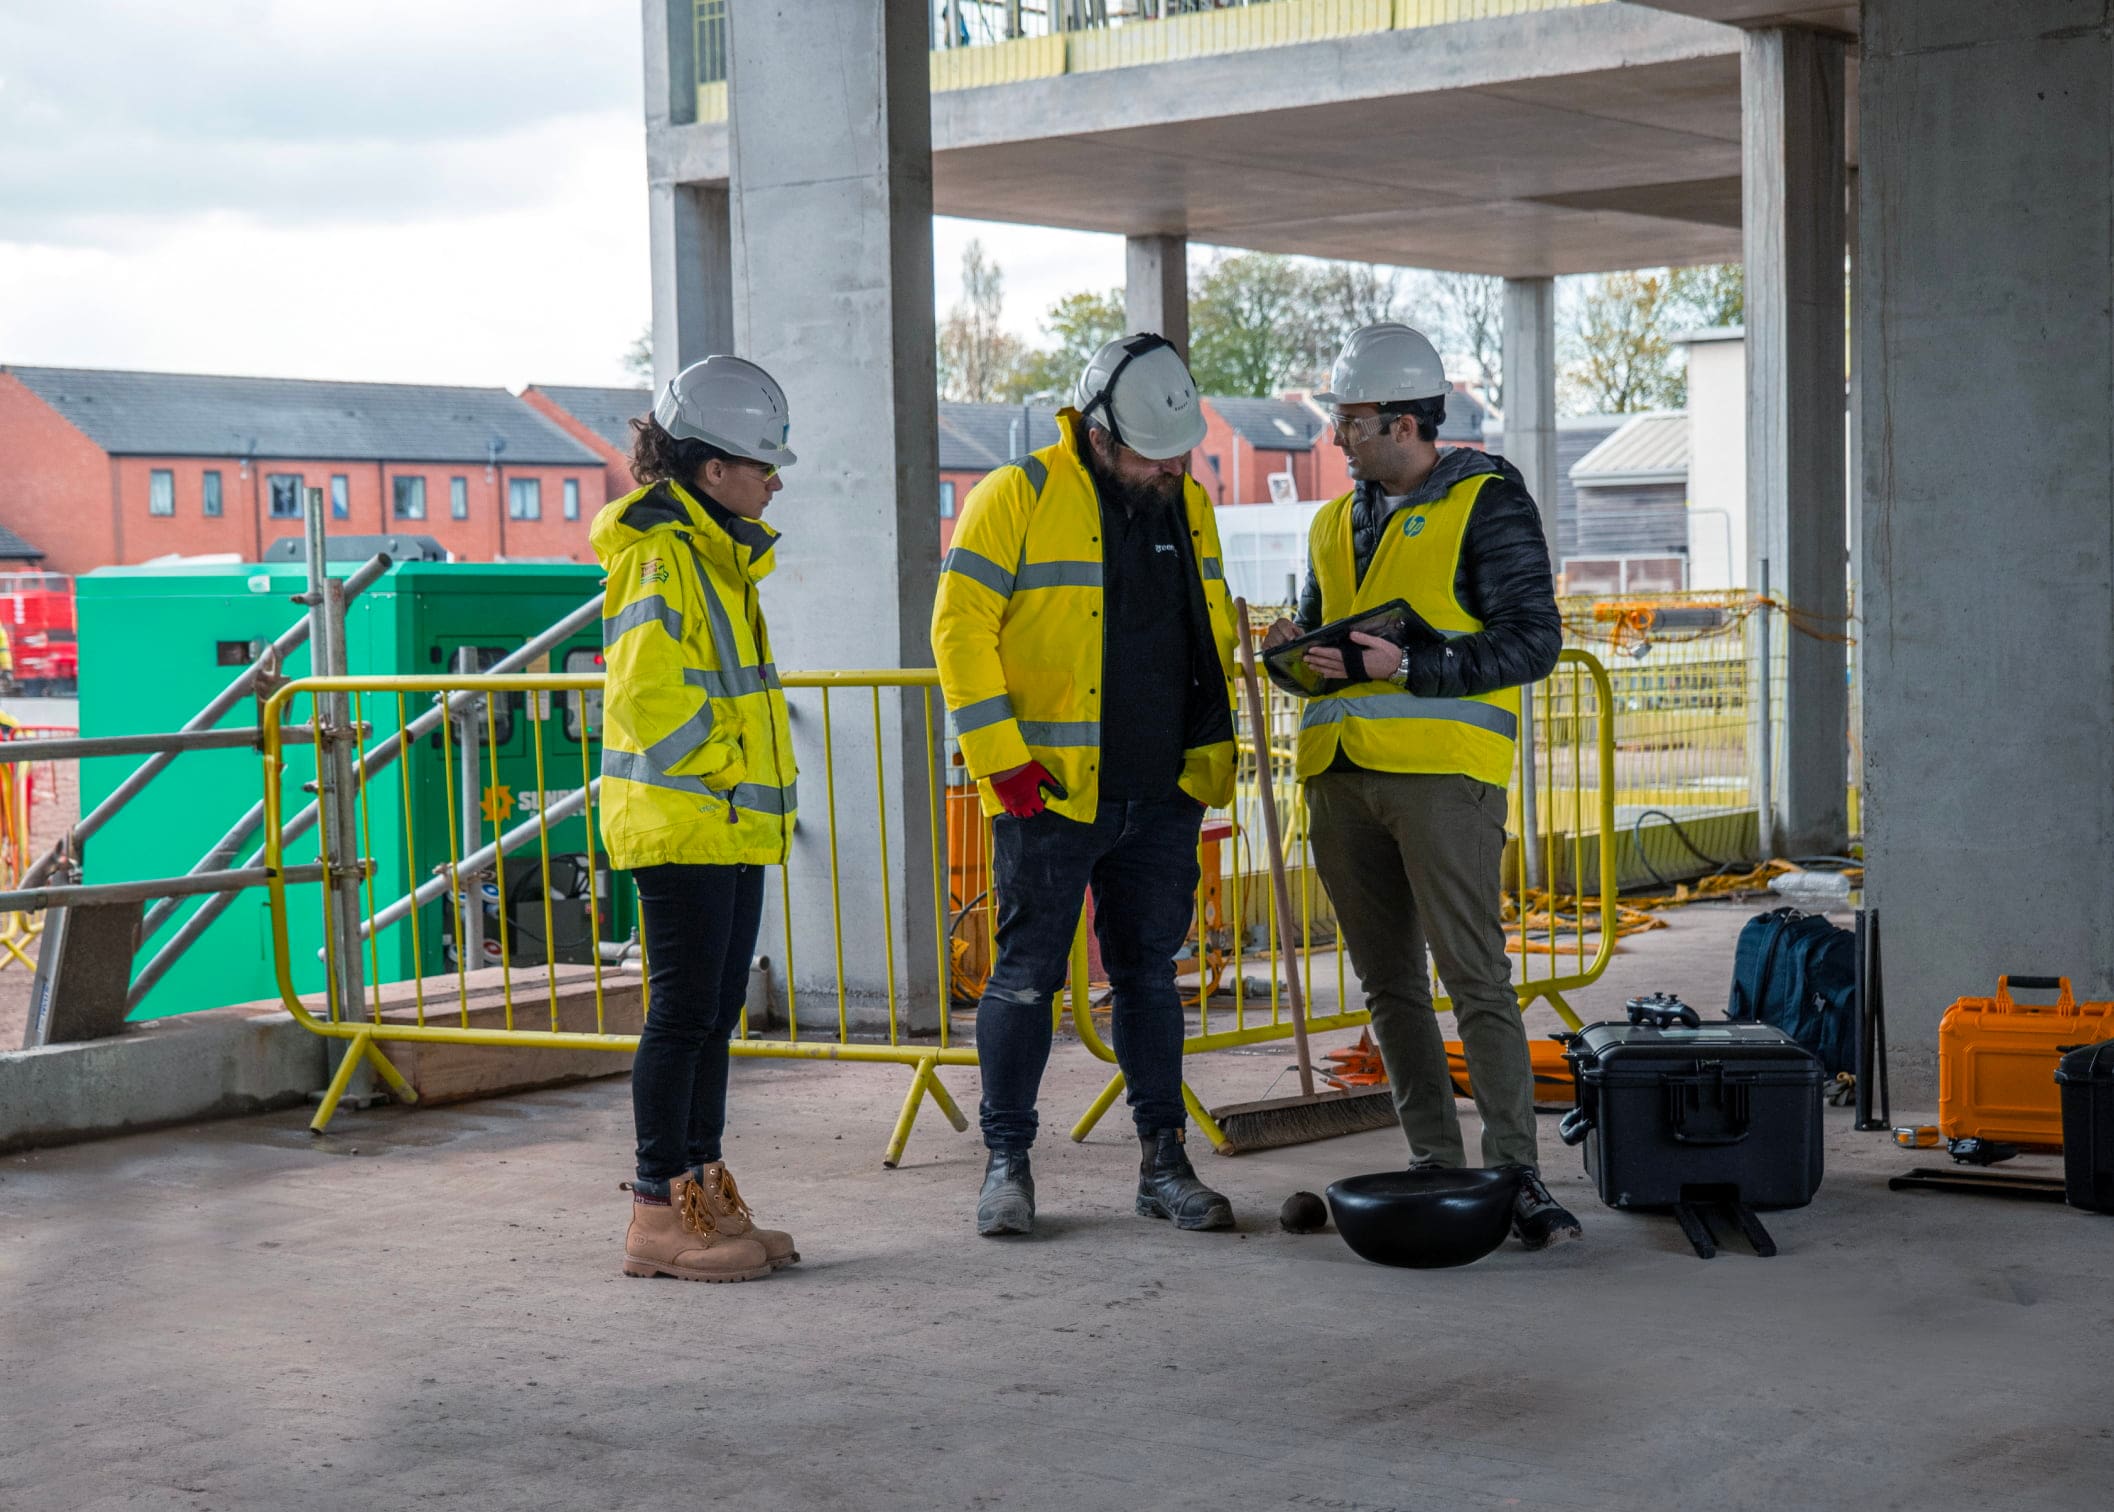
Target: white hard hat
(1146, 397)
(729, 403)
(1385, 364)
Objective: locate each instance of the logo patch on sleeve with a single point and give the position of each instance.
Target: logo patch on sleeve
(654, 572)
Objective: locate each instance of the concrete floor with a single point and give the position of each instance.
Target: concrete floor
(424, 1309)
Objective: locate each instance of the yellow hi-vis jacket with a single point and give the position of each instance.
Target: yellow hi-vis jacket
(1381, 727)
(1017, 631)
(697, 758)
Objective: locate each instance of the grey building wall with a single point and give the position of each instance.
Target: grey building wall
(1648, 519)
(1575, 436)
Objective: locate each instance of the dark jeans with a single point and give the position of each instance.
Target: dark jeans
(1140, 860)
(699, 924)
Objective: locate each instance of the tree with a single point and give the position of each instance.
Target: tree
(1468, 323)
(1621, 360)
(1252, 325)
(977, 356)
(1709, 296)
(1346, 296)
(1079, 325)
(638, 359)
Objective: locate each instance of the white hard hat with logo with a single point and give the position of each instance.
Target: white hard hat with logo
(1145, 396)
(1385, 363)
(729, 403)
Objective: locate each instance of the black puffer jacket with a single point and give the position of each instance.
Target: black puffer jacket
(1504, 580)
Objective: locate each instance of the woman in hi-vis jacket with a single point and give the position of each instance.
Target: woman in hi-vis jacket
(697, 789)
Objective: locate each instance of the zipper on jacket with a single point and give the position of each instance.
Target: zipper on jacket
(753, 606)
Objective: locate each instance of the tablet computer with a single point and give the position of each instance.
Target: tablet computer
(1393, 621)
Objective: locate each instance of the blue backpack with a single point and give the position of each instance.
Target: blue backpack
(1798, 973)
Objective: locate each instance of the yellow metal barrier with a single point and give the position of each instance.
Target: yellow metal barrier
(1574, 702)
(1570, 712)
(367, 1032)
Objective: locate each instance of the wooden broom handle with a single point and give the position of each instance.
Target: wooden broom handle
(1259, 733)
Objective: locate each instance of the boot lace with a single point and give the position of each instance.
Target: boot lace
(730, 1194)
(697, 1212)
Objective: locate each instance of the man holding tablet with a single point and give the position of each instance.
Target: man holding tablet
(1408, 750)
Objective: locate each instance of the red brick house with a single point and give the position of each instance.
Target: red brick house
(977, 438)
(599, 419)
(103, 468)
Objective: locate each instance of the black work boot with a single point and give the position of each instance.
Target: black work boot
(1007, 1203)
(1168, 1185)
(1539, 1219)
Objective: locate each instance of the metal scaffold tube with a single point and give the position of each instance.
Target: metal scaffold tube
(244, 684)
(374, 760)
(482, 858)
(37, 899)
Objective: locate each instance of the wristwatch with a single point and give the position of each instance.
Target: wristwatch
(1400, 676)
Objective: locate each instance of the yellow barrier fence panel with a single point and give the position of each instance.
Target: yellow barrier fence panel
(1572, 707)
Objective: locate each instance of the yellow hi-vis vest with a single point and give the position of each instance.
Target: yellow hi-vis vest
(1379, 726)
(697, 757)
(1017, 632)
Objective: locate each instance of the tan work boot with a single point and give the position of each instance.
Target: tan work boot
(731, 1215)
(676, 1236)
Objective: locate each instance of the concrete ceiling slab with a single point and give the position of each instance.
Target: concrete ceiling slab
(1835, 18)
(1571, 141)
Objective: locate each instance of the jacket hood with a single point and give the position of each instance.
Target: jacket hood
(668, 508)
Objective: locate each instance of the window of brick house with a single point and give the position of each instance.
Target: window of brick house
(161, 492)
(209, 497)
(285, 494)
(408, 498)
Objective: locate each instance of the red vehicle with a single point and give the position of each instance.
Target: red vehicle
(36, 612)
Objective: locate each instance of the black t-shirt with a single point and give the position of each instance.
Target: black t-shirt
(1148, 662)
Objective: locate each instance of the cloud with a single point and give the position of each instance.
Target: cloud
(326, 112)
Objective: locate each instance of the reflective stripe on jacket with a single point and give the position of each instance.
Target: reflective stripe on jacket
(1017, 632)
(1379, 726)
(697, 758)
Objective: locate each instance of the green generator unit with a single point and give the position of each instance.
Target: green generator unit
(157, 643)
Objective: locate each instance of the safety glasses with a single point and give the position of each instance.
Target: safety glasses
(1352, 427)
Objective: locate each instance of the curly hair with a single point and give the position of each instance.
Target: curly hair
(657, 456)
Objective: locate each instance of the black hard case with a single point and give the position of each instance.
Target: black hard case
(2086, 1076)
(1725, 1111)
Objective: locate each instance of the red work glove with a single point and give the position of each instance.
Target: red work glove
(1020, 790)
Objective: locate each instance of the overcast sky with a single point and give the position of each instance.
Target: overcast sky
(420, 190)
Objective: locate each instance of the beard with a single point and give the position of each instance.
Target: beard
(1160, 491)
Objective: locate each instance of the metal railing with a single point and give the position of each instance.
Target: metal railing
(983, 42)
(1572, 949)
(528, 1005)
(448, 872)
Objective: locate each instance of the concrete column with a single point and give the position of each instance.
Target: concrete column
(1792, 101)
(832, 219)
(693, 277)
(1156, 287)
(669, 31)
(1853, 502)
(1985, 290)
(1529, 359)
(1530, 392)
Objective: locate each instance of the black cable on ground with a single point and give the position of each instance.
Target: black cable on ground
(1637, 846)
